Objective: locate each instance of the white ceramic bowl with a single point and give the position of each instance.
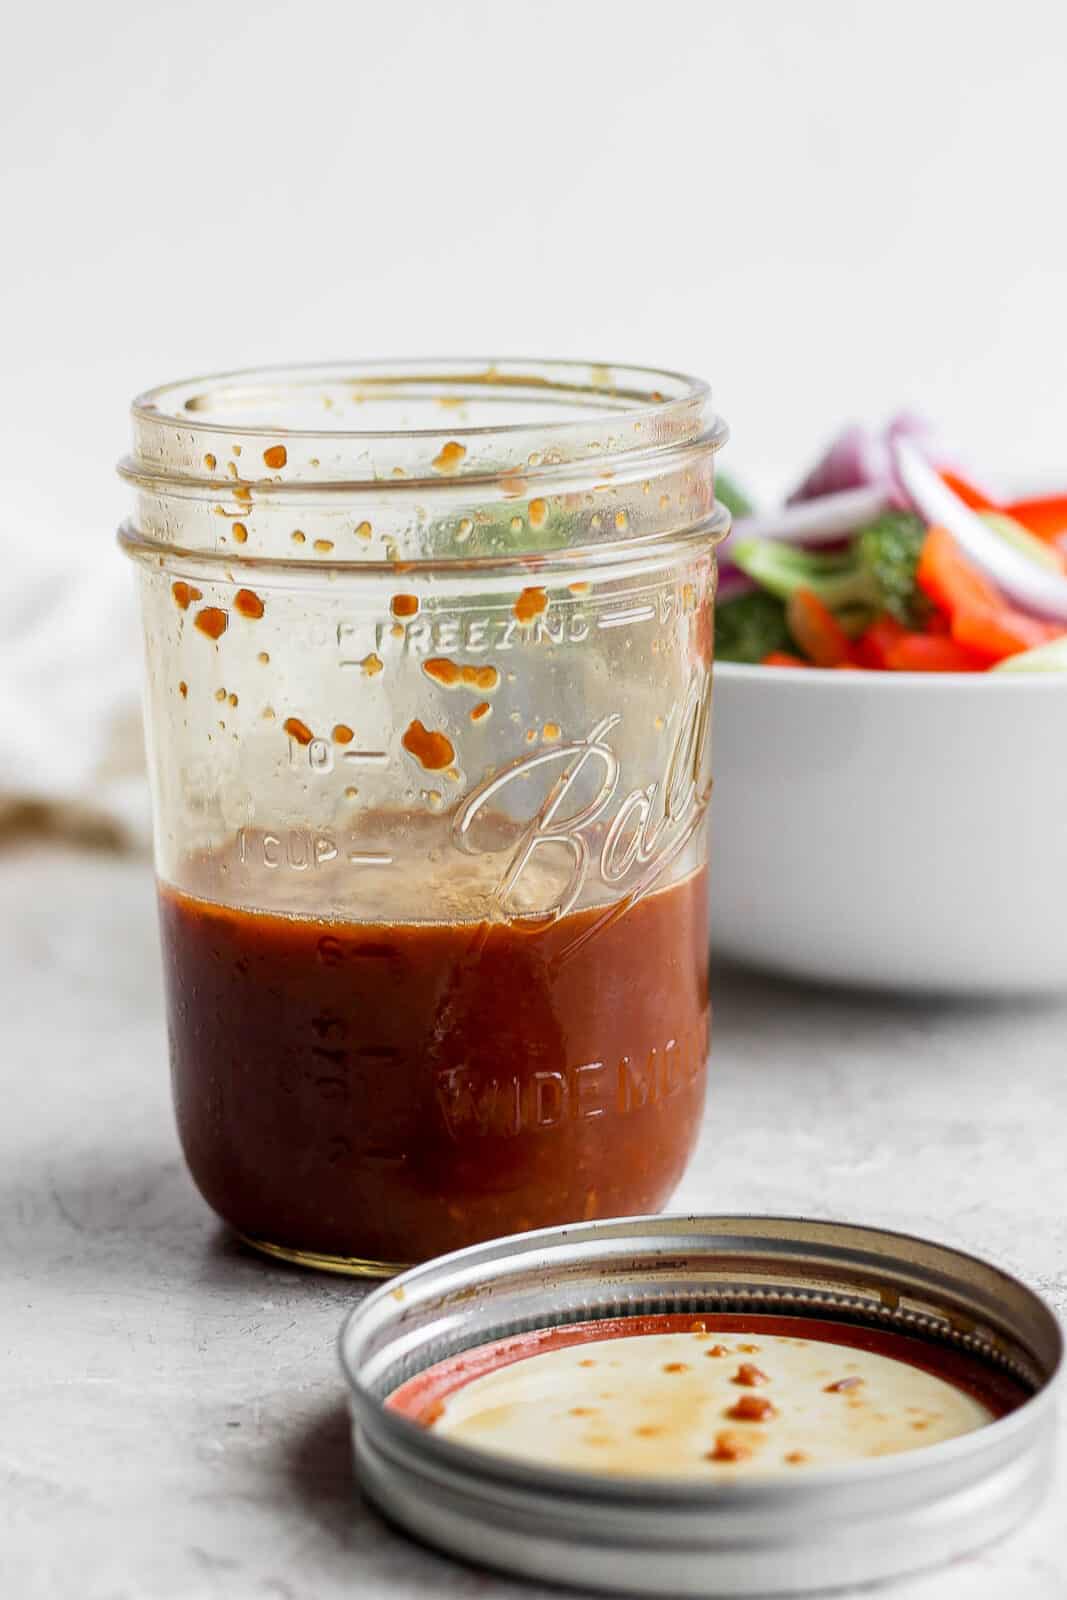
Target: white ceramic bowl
(897, 830)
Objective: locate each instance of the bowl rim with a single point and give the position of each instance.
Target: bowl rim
(836, 682)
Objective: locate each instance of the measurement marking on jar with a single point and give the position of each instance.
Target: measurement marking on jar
(366, 758)
(622, 619)
(357, 858)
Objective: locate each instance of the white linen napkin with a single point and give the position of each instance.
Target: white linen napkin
(71, 750)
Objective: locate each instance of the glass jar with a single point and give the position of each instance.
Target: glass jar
(428, 687)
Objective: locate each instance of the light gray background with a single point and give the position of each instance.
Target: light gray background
(827, 208)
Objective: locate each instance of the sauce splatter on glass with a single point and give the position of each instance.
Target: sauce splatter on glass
(298, 730)
(431, 749)
(212, 621)
(531, 603)
(449, 457)
(275, 457)
(246, 603)
(184, 594)
(453, 675)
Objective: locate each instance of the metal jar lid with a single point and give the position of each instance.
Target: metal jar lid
(871, 1519)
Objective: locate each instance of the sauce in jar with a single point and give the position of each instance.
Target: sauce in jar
(387, 1090)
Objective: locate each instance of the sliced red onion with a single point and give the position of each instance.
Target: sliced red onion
(860, 457)
(822, 521)
(1028, 585)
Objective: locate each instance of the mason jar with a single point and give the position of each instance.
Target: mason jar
(428, 689)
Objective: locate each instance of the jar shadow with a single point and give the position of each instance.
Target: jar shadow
(321, 1477)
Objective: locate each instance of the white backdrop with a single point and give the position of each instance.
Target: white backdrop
(828, 208)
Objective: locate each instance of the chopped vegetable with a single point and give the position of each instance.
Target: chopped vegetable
(827, 520)
(1044, 593)
(889, 549)
(922, 570)
(1051, 657)
(783, 658)
(1028, 544)
(734, 499)
(1045, 517)
(875, 574)
(873, 647)
(750, 627)
(979, 616)
(816, 630)
(924, 652)
(1000, 630)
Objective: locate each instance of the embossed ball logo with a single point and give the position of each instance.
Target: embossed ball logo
(628, 841)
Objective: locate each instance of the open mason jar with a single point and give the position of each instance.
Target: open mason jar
(429, 669)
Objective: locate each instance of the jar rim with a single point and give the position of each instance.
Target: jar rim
(190, 400)
(430, 459)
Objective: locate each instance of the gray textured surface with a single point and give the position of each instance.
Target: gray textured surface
(172, 1417)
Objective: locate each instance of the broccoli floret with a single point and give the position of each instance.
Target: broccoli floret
(749, 627)
(889, 550)
(734, 499)
(875, 574)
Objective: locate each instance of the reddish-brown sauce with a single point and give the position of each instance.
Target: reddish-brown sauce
(432, 750)
(453, 674)
(532, 603)
(392, 1091)
(184, 594)
(405, 605)
(733, 1446)
(298, 730)
(449, 456)
(428, 1390)
(248, 604)
(240, 532)
(481, 710)
(212, 621)
(342, 733)
(752, 1408)
(276, 456)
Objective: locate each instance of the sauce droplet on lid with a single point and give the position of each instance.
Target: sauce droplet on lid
(733, 1446)
(275, 456)
(749, 1375)
(212, 621)
(752, 1408)
(298, 730)
(431, 749)
(405, 605)
(248, 604)
(843, 1385)
(342, 733)
(480, 711)
(531, 603)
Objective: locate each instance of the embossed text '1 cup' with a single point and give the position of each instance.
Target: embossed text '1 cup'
(429, 668)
